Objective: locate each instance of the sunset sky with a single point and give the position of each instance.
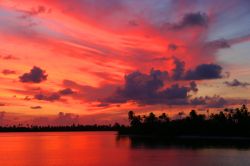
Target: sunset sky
(90, 61)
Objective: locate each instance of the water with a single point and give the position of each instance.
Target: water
(105, 149)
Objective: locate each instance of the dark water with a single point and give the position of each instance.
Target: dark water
(105, 149)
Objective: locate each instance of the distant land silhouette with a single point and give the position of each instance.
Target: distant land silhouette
(20, 128)
(229, 123)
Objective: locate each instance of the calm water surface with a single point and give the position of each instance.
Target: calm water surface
(105, 149)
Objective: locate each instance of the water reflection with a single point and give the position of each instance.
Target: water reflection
(188, 143)
(108, 149)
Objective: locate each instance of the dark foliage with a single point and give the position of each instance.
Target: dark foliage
(227, 123)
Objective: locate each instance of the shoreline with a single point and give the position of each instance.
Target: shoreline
(205, 138)
(42, 131)
(161, 137)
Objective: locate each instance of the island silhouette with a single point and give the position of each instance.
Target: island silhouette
(229, 128)
(227, 123)
(230, 123)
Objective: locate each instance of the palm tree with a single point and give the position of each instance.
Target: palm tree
(131, 115)
(164, 118)
(193, 115)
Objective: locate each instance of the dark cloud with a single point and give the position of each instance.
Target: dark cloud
(236, 83)
(150, 89)
(158, 74)
(216, 102)
(198, 101)
(173, 47)
(193, 86)
(209, 102)
(36, 107)
(179, 69)
(54, 96)
(139, 85)
(8, 72)
(51, 97)
(203, 72)
(66, 91)
(176, 91)
(192, 19)
(36, 75)
(156, 87)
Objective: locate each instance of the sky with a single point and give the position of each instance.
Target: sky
(91, 61)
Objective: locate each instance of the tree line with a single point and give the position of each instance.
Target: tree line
(73, 127)
(227, 123)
